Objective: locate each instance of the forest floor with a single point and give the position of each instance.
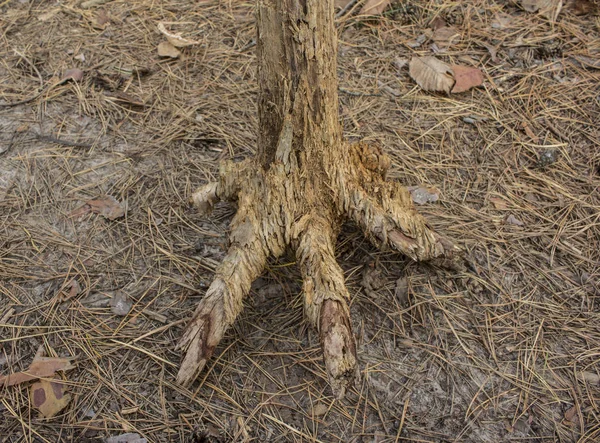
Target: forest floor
(508, 350)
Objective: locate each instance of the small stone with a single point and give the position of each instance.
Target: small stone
(120, 304)
(547, 157)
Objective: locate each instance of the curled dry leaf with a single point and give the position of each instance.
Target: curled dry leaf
(166, 49)
(41, 367)
(49, 397)
(466, 78)
(175, 38)
(431, 74)
(445, 36)
(108, 207)
(374, 7)
(73, 74)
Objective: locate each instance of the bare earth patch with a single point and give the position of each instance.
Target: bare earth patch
(506, 351)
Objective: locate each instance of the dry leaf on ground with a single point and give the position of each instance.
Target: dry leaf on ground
(166, 49)
(547, 8)
(41, 367)
(512, 220)
(175, 38)
(126, 438)
(100, 19)
(73, 74)
(502, 21)
(445, 36)
(581, 7)
(431, 74)
(571, 416)
(49, 397)
(466, 77)
(374, 7)
(498, 202)
(108, 207)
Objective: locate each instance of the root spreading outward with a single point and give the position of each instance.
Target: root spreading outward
(304, 182)
(287, 206)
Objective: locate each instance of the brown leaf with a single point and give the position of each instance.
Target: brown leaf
(581, 7)
(108, 207)
(40, 367)
(49, 397)
(548, 8)
(73, 74)
(431, 74)
(437, 23)
(445, 36)
(374, 7)
(512, 220)
(101, 19)
(466, 78)
(590, 377)
(498, 202)
(175, 38)
(166, 49)
(571, 416)
(502, 21)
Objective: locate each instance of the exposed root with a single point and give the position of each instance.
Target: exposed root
(325, 305)
(290, 205)
(220, 307)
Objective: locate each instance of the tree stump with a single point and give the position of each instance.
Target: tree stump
(303, 184)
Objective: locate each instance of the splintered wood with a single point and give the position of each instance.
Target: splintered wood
(302, 185)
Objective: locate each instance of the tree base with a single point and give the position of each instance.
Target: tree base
(289, 205)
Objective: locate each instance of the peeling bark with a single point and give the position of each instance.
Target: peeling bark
(304, 182)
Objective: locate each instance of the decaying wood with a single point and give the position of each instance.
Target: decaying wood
(304, 182)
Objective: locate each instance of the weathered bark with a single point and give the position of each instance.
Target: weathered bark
(303, 183)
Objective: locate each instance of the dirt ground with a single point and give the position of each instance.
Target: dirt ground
(507, 351)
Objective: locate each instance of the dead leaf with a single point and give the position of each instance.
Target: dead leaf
(431, 74)
(175, 38)
(445, 36)
(49, 397)
(127, 438)
(72, 74)
(580, 7)
(466, 77)
(374, 7)
(498, 202)
(166, 49)
(101, 19)
(547, 8)
(424, 194)
(571, 416)
(590, 377)
(401, 290)
(512, 220)
(319, 410)
(437, 23)
(48, 15)
(75, 288)
(502, 21)
(41, 367)
(108, 207)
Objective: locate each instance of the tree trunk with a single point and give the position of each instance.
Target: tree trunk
(304, 182)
